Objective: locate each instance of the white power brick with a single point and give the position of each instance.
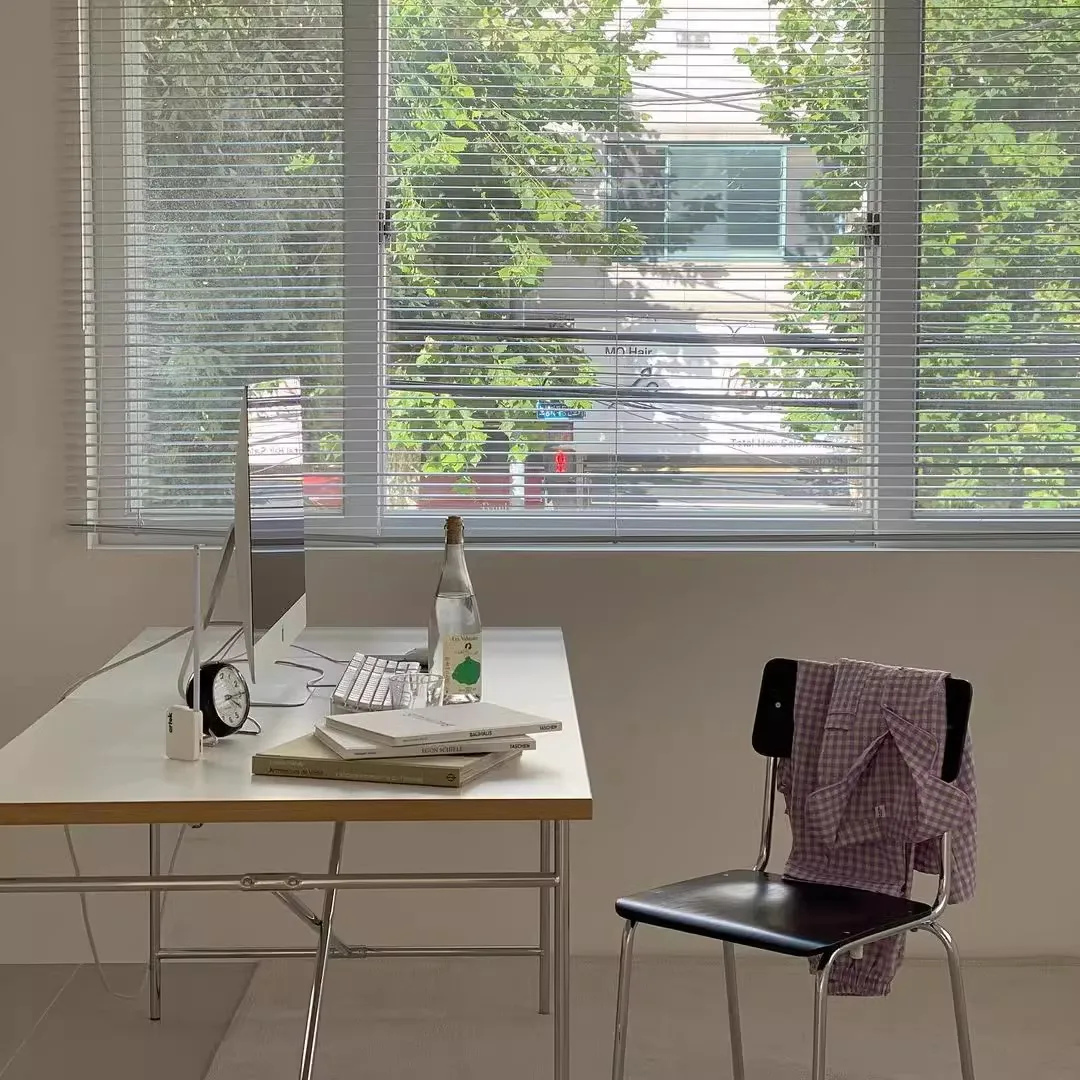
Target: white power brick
(183, 734)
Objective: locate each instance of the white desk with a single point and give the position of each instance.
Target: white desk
(98, 758)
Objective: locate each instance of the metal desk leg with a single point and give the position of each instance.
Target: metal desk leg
(322, 952)
(562, 951)
(545, 920)
(155, 926)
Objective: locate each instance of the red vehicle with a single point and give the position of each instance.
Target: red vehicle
(323, 490)
(551, 478)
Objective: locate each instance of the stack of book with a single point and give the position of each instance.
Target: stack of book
(440, 746)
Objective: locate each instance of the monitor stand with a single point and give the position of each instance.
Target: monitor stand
(207, 618)
(219, 575)
(276, 684)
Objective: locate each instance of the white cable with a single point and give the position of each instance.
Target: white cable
(321, 656)
(125, 660)
(302, 667)
(217, 654)
(85, 908)
(309, 686)
(181, 686)
(83, 904)
(146, 652)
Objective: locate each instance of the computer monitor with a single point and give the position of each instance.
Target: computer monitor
(269, 523)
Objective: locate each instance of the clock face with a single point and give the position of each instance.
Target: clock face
(230, 696)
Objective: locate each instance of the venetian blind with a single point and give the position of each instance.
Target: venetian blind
(582, 270)
(998, 424)
(579, 270)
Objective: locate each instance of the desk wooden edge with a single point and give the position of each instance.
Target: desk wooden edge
(300, 810)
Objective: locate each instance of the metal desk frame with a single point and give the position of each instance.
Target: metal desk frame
(552, 948)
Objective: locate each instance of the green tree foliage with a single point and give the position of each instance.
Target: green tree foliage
(999, 419)
(496, 116)
(239, 156)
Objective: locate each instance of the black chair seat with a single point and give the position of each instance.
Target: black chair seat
(767, 911)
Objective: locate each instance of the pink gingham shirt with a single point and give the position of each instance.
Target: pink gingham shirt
(865, 797)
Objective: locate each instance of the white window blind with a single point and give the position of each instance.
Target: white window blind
(585, 271)
(214, 136)
(998, 427)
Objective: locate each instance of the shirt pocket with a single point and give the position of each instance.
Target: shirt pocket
(930, 806)
(837, 813)
(842, 742)
(884, 804)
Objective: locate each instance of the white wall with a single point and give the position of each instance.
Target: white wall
(666, 651)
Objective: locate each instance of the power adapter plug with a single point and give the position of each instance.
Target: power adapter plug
(183, 734)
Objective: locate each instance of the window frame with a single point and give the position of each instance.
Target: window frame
(892, 350)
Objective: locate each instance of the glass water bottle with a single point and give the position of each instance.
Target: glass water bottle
(454, 633)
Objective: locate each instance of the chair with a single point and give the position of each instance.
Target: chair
(795, 918)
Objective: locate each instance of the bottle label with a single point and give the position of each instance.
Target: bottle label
(461, 664)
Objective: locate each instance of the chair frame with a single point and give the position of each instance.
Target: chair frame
(928, 922)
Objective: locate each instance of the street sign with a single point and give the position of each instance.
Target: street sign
(557, 410)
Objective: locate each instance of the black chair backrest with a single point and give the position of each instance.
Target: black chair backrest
(774, 724)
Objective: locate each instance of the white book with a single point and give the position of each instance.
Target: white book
(347, 744)
(442, 724)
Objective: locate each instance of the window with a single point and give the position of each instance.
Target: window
(693, 39)
(997, 426)
(703, 201)
(579, 271)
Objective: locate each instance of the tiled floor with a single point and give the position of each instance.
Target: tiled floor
(476, 1020)
(56, 1021)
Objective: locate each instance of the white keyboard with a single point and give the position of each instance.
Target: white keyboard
(365, 684)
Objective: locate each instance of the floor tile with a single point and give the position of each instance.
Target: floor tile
(26, 991)
(113, 1039)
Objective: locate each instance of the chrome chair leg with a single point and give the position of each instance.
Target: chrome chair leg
(963, 1031)
(731, 986)
(622, 1008)
(821, 1001)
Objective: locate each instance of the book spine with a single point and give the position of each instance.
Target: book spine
(484, 746)
(476, 733)
(492, 745)
(487, 746)
(348, 770)
(352, 755)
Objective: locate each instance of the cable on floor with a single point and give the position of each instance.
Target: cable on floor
(85, 908)
(69, 839)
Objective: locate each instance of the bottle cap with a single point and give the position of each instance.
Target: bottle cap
(455, 529)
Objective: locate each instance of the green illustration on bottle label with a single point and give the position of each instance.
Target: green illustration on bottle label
(461, 664)
(467, 673)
